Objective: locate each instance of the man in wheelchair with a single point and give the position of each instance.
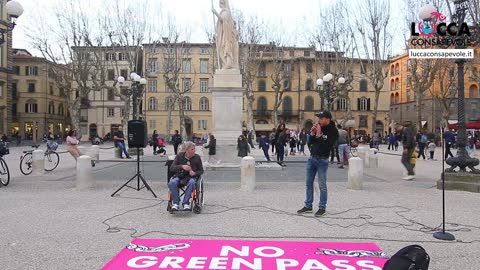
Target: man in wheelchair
(187, 168)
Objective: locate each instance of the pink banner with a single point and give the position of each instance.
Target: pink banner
(232, 254)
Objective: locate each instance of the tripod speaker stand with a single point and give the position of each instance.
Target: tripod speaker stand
(139, 177)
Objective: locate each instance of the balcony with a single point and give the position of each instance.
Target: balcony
(262, 113)
(289, 113)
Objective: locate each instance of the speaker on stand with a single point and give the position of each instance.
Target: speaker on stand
(137, 138)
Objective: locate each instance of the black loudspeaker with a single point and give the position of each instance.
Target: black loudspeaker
(137, 133)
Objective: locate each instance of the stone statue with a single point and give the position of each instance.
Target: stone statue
(226, 37)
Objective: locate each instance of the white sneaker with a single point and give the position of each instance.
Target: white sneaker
(186, 207)
(409, 177)
(175, 207)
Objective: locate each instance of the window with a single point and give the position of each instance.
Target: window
(363, 121)
(287, 68)
(261, 70)
(392, 99)
(16, 70)
(51, 89)
(152, 85)
(309, 85)
(363, 86)
(187, 104)
(262, 105)
(31, 87)
(397, 98)
(204, 85)
(168, 89)
(60, 110)
(204, 51)
(306, 53)
(286, 84)
(31, 71)
(61, 92)
(31, 107)
(124, 90)
(187, 66)
(262, 85)
(169, 103)
(169, 65)
(152, 124)
(110, 94)
(203, 65)
(473, 91)
(51, 108)
(152, 104)
(124, 73)
(14, 90)
(364, 104)
(309, 103)
(14, 109)
(122, 112)
(204, 104)
(287, 106)
(309, 68)
(111, 75)
(110, 56)
(187, 84)
(153, 65)
(110, 112)
(202, 124)
(123, 57)
(342, 104)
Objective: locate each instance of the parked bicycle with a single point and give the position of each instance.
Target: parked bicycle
(4, 171)
(51, 159)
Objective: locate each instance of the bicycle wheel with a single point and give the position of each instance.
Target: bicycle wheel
(26, 164)
(354, 151)
(4, 172)
(51, 160)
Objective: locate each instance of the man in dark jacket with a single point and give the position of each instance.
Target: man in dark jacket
(408, 142)
(265, 145)
(449, 142)
(187, 167)
(176, 140)
(323, 137)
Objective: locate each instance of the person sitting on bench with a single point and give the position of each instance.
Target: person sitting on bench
(187, 167)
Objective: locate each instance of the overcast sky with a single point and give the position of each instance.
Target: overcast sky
(291, 15)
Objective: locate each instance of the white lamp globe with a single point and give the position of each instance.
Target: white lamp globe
(327, 77)
(341, 80)
(137, 78)
(143, 81)
(132, 75)
(319, 82)
(14, 8)
(426, 11)
(120, 79)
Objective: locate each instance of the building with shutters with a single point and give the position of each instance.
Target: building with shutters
(38, 106)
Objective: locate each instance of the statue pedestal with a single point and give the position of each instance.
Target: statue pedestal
(227, 93)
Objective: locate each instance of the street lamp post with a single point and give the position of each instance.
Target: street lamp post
(462, 160)
(136, 90)
(326, 83)
(14, 10)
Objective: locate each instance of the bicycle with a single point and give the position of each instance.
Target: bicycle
(51, 159)
(4, 171)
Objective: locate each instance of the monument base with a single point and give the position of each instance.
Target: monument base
(461, 181)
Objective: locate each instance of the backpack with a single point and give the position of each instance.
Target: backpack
(412, 257)
(424, 138)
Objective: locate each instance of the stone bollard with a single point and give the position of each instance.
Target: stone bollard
(362, 153)
(247, 167)
(38, 165)
(355, 173)
(372, 158)
(84, 172)
(116, 152)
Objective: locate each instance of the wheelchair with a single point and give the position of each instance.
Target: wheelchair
(197, 199)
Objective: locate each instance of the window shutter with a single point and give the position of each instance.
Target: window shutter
(368, 104)
(358, 104)
(26, 107)
(338, 105)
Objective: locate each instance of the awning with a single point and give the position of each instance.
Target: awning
(423, 123)
(263, 127)
(452, 122)
(349, 123)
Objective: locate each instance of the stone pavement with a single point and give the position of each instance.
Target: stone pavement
(47, 224)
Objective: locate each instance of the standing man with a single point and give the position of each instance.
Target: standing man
(265, 145)
(119, 140)
(323, 137)
(449, 142)
(343, 146)
(408, 142)
(176, 140)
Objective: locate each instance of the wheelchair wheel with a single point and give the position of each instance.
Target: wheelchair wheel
(199, 200)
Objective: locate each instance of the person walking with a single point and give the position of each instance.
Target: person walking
(391, 141)
(212, 149)
(408, 142)
(324, 134)
(422, 141)
(154, 141)
(272, 141)
(431, 149)
(449, 142)
(265, 145)
(343, 146)
(176, 140)
(302, 141)
(376, 139)
(242, 147)
(119, 140)
(204, 136)
(72, 144)
(280, 143)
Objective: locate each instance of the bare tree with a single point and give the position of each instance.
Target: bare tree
(446, 92)
(372, 23)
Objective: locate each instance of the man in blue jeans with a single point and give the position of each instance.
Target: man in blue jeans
(119, 140)
(323, 137)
